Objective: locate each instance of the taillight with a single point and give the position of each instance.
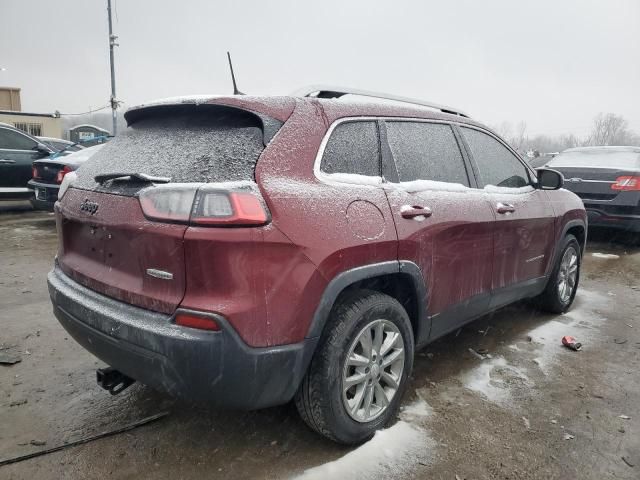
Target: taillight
(626, 183)
(196, 321)
(61, 173)
(34, 172)
(207, 205)
(67, 181)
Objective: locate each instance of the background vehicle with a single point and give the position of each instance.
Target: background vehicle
(243, 251)
(18, 150)
(58, 144)
(49, 173)
(607, 179)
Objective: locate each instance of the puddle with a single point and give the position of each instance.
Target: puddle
(392, 453)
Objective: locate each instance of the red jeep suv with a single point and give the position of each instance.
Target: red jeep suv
(246, 251)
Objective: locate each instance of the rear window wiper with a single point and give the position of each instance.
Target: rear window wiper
(140, 177)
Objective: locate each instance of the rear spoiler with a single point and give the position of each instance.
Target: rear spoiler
(268, 125)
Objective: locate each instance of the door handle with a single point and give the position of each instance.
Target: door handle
(412, 211)
(7, 161)
(505, 208)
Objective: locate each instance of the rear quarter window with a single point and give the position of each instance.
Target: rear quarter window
(353, 148)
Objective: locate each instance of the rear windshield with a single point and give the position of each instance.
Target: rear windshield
(203, 143)
(598, 159)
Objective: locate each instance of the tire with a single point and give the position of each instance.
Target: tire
(321, 401)
(552, 299)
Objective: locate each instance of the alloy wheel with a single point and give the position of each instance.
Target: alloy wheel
(568, 274)
(373, 370)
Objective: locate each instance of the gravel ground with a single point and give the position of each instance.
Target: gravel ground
(530, 409)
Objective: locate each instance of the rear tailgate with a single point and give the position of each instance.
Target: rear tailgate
(591, 183)
(46, 171)
(107, 244)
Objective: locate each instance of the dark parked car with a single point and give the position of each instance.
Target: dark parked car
(60, 145)
(49, 173)
(607, 179)
(245, 251)
(18, 150)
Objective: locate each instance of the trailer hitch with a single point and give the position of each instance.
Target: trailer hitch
(113, 380)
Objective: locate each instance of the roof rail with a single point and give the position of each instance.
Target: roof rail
(329, 91)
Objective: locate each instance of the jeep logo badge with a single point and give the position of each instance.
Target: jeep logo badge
(90, 207)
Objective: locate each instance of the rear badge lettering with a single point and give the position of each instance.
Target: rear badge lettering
(90, 207)
(161, 274)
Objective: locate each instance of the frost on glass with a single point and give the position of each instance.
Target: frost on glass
(353, 148)
(497, 165)
(188, 147)
(623, 158)
(426, 151)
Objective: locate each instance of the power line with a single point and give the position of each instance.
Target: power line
(87, 113)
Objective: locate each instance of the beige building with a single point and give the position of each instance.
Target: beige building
(10, 99)
(37, 124)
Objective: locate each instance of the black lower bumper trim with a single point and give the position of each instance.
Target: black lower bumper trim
(213, 368)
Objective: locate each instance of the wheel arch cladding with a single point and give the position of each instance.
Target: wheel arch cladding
(579, 231)
(401, 280)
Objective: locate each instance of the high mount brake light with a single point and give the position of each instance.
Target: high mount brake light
(204, 205)
(627, 183)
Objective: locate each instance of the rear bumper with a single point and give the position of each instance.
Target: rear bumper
(45, 195)
(15, 193)
(599, 218)
(213, 368)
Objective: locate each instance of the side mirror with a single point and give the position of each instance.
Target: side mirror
(549, 179)
(42, 148)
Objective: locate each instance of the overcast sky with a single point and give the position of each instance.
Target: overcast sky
(552, 63)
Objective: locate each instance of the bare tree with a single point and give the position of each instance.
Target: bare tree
(519, 140)
(609, 129)
(516, 138)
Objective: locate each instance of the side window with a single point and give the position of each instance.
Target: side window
(496, 164)
(426, 151)
(353, 148)
(13, 140)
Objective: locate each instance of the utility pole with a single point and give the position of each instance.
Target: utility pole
(112, 43)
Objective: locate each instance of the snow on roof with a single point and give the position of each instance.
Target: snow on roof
(617, 148)
(85, 125)
(54, 139)
(190, 99)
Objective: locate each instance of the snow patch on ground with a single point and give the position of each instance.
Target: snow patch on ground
(580, 322)
(498, 378)
(494, 378)
(610, 256)
(391, 453)
(416, 410)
